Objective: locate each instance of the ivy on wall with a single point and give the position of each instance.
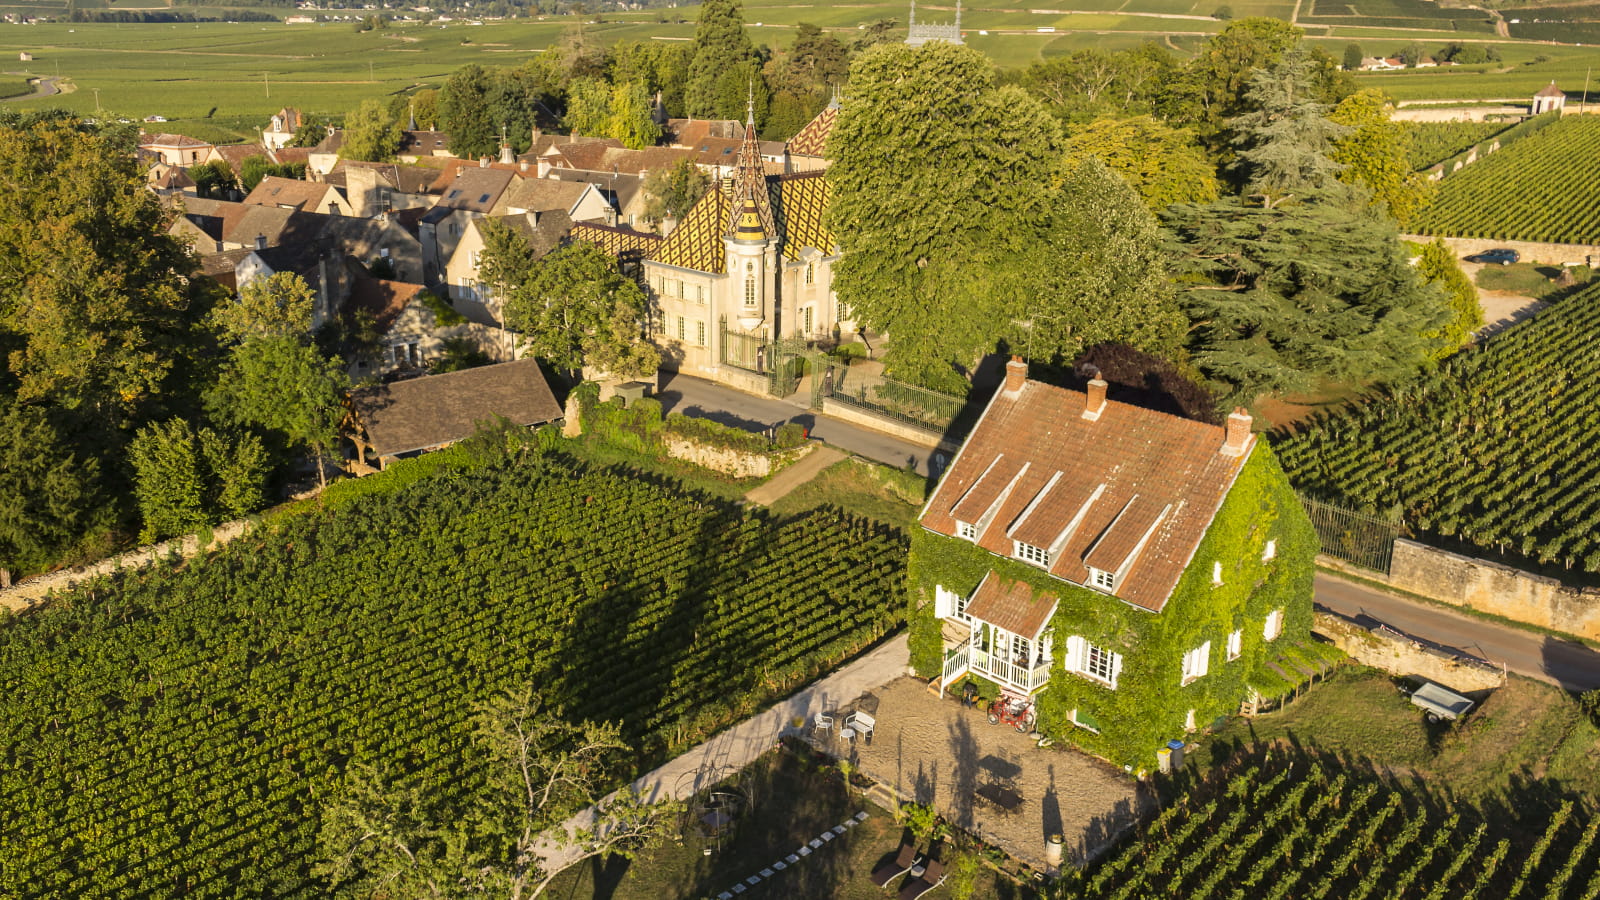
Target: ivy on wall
(1150, 704)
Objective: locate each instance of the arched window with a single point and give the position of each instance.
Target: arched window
(811, 272)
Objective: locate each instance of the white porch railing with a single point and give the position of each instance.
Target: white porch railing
(967, 658)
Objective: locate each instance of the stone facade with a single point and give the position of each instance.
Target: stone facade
(1399, 656)
(1494, 588)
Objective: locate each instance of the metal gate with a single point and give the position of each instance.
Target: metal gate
(1356, 537)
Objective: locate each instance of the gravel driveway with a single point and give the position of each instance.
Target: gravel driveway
(939, 752)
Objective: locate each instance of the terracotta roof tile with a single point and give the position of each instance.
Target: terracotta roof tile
(1011, 605)
(301, 195)
(1157, 469)
(171, 140)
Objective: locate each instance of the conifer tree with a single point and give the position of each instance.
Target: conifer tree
(720, 45)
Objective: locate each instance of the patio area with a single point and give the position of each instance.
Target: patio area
(989, 780)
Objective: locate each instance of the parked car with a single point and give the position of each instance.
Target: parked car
(1505, 256)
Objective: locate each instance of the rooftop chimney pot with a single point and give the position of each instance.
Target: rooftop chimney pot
(1095, 402)
(1016, 374)
(1238, 432)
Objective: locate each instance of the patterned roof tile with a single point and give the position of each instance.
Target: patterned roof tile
(812, 140)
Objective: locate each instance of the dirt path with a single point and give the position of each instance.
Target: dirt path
(801, 472)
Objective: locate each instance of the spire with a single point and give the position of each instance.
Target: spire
(913, 20)
(749, 195)
(412, 125)
(958, 21)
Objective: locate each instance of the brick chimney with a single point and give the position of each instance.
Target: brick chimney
(1238, 432)
(1016, 375)
(1095, 402)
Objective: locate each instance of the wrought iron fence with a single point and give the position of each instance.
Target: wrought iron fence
(744, 351)
(1356, 537)
(918, 407)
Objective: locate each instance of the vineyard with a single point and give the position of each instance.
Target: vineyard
(177, 733)
(1495, 448)
(1540, 188)
(1435, 142)
(1287, 829)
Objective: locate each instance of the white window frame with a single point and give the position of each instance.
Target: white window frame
(700, 332)
(1093, 662)
(683, 328)
(1235, 643)
(950, 605)
(811, 272)
(1028, 553)
(1273, 626)
(1101, 580)
(1196, 663)
(966, 531)
(1270, 552)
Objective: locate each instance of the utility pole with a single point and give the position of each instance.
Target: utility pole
(96, 100)
(1584, 100)
(267, 82)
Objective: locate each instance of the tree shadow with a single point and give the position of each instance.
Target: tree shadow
(1572, 664)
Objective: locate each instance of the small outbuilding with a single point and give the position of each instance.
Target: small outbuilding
(25, 56)
(411, 417)
(1549, 99)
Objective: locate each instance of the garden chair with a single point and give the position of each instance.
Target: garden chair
(901, 864)
(822, 722)
(930, 879)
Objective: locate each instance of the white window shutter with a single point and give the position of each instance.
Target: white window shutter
(1074, 658)
(944, 602)
(1116, 669)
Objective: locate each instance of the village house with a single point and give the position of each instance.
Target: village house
(300, 196)
(413, 328)
(375, 188)
(623, 193)
(466, 194)
(750, 263)
(175, 149)
(1133, 574)
(543, 231)
(218, 226)
(281, 128)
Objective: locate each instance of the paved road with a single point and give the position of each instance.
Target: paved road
(1566, 663)
(708, 400)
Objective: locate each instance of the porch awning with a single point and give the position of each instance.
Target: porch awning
(1011, 605)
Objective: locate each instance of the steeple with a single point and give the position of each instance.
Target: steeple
(749, 194)
(412, 125)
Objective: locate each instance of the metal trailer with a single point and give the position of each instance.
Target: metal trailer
(1440, 703)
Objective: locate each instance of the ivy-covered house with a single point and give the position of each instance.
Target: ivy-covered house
(1135, 573)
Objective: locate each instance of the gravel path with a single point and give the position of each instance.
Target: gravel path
(938, 751)
(781, 484)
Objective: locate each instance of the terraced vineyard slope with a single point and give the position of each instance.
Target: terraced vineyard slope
(176, 734)
(1494, 448)
(1540, 188)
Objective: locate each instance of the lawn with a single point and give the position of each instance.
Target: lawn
(892, 496)
(793, 799)
(1529, 279)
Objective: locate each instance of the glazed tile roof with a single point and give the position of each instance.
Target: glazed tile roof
(798, 203)
(812, 140)
(1011, 605)
(1134, 490)
(623, 243)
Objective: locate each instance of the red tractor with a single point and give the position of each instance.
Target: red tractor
(1014, 711)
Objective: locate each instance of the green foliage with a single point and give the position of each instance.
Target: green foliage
(255, 168)
(1376, 154)
(1149, 705)
(573, 307)
(1164, 165)
(1352, 56)
(640, 428)
(49, 490)
(1210, 88)
(372, 133)
(962, 878)
(1486, 449)
(310, 133)
(188, 479)
(1437, 265)
(283, 385)
(237, 692)
(458, 353)
(673, 191)
(1535, 189)
(622, 111)
(721, 47)
(214, 180)
(278, 305)
(1095, 84)
(921, 818)
(444, 314)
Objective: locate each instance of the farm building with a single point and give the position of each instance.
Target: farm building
(1549, 99)
(1133, 574)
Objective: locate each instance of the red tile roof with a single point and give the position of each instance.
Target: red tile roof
(1133, 490)
(1011, 605)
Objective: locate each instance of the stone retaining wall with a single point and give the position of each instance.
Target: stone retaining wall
(1398, 656)
(728, 461)
(846, 412)
(1494, 588)
(1532, 251)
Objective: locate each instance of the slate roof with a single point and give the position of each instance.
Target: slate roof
(424, 143)
(812, 140)
(1011, 605)
(1034, 466)
(798, 203)
(429, 412)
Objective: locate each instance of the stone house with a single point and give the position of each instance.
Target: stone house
(281, 128)
(300, 196)
(472, 191)
(1132, 574)
(175, 149)
(544, 231)
(1549, 99)
(413, 328)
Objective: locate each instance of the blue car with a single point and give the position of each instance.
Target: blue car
(1504, 256)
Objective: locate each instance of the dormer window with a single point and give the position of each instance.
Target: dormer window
(967, 531)
(1102, 580)
(1028, 553)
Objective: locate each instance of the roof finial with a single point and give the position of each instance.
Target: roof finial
(958, 20)
(913, 20)
(750, 103)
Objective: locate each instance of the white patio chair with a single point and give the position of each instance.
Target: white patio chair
(821, 722)
(861, 722)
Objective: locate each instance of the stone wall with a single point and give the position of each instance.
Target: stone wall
(1398, 656)
(846, 412)
(1532, 251)
(1494, 588)
(737, 463)
(1455, 113)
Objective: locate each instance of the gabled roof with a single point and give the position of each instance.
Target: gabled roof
(383, 300)
(1011, 605)
(1550, 90)
(1133, 490)
(540, 195)
(798, 204)
(619, 190)
(812, 140)
(406, 179)
(625, 244)
(235, 154)
(301, 195)
(287, 155)
(475, 189)
(543, 232)
(690, 132)
(425, 143)
(428, 412)
(170, 178)
(171, 141)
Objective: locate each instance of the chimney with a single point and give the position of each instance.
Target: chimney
(1016, 375)
(544, 168)
(611, 215)
(522, 165)
(507, 154)
(668, 224)
(261, 242)
(483, 162)
(1238, 432)
(1095, 402)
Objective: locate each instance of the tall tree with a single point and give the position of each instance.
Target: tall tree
(1353, 57)
(372, 133)
(49, 490)
(1376, 153)
(465, 111)
(588, 107)
(938, 178)
(169, 482)
(1086, 84)
(97, 308)
(214, 180)
(309, 134)
(574, 308)
(398, 840)
(283, 385)
(629, 120)
(720, 45)
(1299, 281)
(1437, 265)
(1165, 165)
(278, 305)
(673, 191)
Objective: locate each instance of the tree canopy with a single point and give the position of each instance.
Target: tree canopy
(278, 305)
(1376, 153)
(1165, 165)
(673, 191)
(282, 384)
(720, 47)
(573, 307)
(49, 489)
(372, 133)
